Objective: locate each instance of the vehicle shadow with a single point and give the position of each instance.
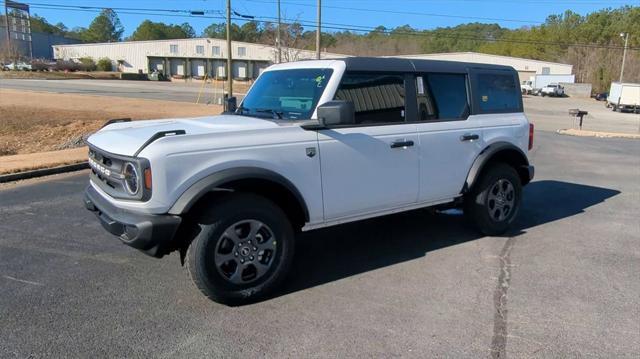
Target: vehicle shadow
(338, 252)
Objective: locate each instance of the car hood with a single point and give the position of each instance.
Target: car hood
(127, 138)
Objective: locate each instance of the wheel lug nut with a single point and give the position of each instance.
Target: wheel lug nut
(236, 254)
(255, 248)
(242, 261)
(251, 258)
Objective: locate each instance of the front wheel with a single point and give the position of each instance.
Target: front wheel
(493, 203)
(243, 250)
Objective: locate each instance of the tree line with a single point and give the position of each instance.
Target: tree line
(552, 40)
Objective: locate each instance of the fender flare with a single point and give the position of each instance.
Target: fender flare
(486, 155)
(213, 182)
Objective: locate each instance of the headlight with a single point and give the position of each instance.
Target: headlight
(131, 178)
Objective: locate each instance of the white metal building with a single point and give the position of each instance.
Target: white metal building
(525, 67)
(185, 57)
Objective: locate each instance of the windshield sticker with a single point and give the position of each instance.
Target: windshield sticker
(485, 98)
(319, 80)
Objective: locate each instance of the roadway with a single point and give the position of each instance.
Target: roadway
(168, 91)
(563, 283)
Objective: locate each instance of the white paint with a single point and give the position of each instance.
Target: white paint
(22, 280)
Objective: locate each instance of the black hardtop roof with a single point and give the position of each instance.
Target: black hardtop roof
(397, 64)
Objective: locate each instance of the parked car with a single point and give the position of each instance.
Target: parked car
(601, 96)
(553, 90)
(313, 144)
(17, 66)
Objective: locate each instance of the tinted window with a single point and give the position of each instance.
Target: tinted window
(498, 93)
(377, 97)
(448, 96)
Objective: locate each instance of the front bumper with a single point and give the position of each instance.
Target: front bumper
(152, 234)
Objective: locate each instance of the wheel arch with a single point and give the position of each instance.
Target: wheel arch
(498, 152)
(246, 179)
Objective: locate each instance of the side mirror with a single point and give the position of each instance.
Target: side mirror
(336, 113)
(230, 104)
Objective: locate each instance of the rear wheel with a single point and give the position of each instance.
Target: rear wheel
(494, 202)
(243, 250)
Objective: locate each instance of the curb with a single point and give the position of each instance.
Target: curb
(43, 172)
(597, 134)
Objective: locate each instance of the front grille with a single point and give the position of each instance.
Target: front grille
(106, 172)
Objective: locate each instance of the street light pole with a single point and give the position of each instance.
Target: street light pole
(278, 36)
(624, 53)
(229, 69)
(319, 29)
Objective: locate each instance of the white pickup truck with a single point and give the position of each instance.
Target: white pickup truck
(313, 144)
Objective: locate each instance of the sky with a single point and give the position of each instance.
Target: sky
(419, 14)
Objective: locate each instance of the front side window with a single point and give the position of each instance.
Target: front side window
(445, 98)
(286, 94)
(498, 93)
(377, 97)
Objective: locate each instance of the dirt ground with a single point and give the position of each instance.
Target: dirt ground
(59, 75)
(37, 121)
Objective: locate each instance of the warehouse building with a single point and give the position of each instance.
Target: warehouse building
(525, 67)
(184, 58)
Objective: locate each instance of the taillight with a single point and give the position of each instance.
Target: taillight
(530, 136)
(147, 178)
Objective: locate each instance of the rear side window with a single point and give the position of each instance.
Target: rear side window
(377, 97)
(445, 97)
(498, 93)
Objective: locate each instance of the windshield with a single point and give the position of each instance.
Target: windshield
(286, 94)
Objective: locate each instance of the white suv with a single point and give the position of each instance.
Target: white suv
(313, 144)
(553, 90)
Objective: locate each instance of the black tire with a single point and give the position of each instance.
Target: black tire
(233, 213)
(482, 207)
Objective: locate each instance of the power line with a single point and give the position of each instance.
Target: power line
(332, 26)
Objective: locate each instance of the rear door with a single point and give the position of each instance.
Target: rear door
(450, 139)
(371, 165)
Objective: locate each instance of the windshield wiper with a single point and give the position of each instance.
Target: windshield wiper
(242, 110)
(276, 114)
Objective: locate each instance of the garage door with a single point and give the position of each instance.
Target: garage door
(198, 68)
(156, 65)
(177, 67)
(240, 70)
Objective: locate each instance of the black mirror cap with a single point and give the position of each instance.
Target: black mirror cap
(230, 104)
(336, 112)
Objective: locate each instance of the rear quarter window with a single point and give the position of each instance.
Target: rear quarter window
(497, 93)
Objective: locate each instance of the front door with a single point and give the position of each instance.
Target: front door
(371, 165)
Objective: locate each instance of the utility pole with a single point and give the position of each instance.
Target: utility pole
(624, 53)
(319, 29)
(278, 36)
(6, 19)
(229, 66)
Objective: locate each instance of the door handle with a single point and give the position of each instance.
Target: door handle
(469, 137)
(398, 144)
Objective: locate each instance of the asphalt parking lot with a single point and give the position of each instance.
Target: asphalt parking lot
(564, 283)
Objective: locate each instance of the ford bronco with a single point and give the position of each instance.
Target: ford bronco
(312, 144)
